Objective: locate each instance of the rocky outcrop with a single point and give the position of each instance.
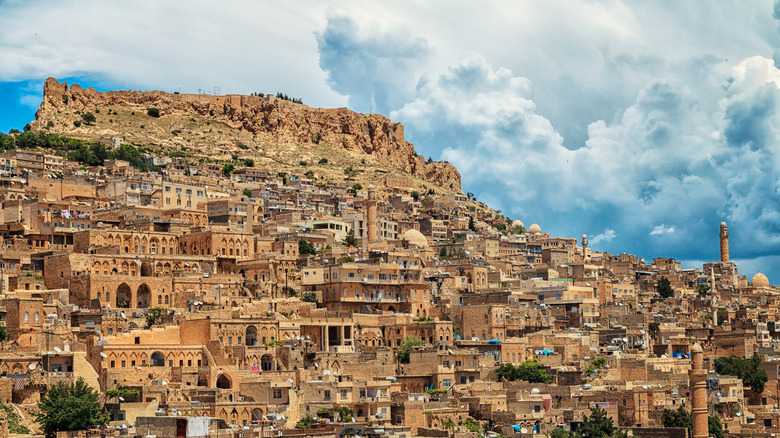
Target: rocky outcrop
(271, 119)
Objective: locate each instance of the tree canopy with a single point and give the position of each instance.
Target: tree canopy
(70, 406)
(746, 369)
(530, 371)
(406, 346)
(664, 288)
(306, 247)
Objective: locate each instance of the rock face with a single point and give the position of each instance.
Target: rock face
(271, 119)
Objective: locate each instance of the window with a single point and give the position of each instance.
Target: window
(123, 364)
(26, 317)
(277, 393)
(343, 394)
(446, 383)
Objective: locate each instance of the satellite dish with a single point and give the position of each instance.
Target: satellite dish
(290, 380)
(121, 399)
(57, 349)
(316, 365)
(122, 314)
(325, 373)
(307, 337)
(103, 355)
(523, 430)
(31, 366)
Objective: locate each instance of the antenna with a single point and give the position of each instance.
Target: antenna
(217, 90)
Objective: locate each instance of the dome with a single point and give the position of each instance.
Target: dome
(518, 223)
(759, 280)
(535, 229)
(415, 237)
(696, 348)
(723, 224)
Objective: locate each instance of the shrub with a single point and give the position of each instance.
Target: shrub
(153, 112)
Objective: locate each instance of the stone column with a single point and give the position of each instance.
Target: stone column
(698, 387)
(371, 214)
(724, 243)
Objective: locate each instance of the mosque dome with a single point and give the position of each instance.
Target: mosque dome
(416, 238)
(518, 223)
(535, 228)
(759, 280)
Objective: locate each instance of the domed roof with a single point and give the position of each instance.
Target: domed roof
(518, 223)
(535, 229)
(723, 224)
(415, 237)
(759, 280)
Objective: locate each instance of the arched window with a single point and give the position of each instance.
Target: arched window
(26, 317)
(166, 299)
(37, 317)
(159, 299)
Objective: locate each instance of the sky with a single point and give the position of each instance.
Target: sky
(641, 124)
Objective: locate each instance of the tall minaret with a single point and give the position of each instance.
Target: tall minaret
(724, 242)
(584, 248)
(698, 387)
(371, 219)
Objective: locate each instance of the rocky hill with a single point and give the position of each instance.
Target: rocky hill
(273, 131)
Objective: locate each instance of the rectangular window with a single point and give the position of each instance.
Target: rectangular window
(277, 393)
(446, 383)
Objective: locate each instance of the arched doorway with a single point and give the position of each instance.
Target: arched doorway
(251, 336)
(123, 296)
(257, 414)
(223, 382)
(143, 296)
(266, 362)
(158, 360)
(146, 269)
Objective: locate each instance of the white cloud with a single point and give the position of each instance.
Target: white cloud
(606, 236)
(661, 229)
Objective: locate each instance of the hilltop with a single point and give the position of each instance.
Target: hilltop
(277, 134)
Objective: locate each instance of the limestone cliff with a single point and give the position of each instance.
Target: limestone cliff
(268, 120)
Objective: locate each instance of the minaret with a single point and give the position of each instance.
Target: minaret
(584, 248)
(371, 219)
(698, 387)
(724, 243)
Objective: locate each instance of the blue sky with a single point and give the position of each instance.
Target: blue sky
(641, 124)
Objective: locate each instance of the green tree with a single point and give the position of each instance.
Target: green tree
(3, 333)
(70, 406)
(228, 168)
(714, 427)
(443, 253)
(323, 161)
(305, 422)
(679, 418)
(415, 195)
(247, 193)
(664, 288)
(306, 247)
(746, 369)
(88, 118)
(531, 371)
(472, 226)
(350, 172)
(309, 174)
(350, 240)
(703, 290)
(248, 162)
(310, 297)
(406, 345)
(153, 112)
(598, 425)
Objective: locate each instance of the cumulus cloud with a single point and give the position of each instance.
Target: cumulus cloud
(376, 69)
(606, 236)
(675, 157)
(661, 229)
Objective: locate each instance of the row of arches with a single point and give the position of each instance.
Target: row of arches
(140, 244)
(135, 268)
